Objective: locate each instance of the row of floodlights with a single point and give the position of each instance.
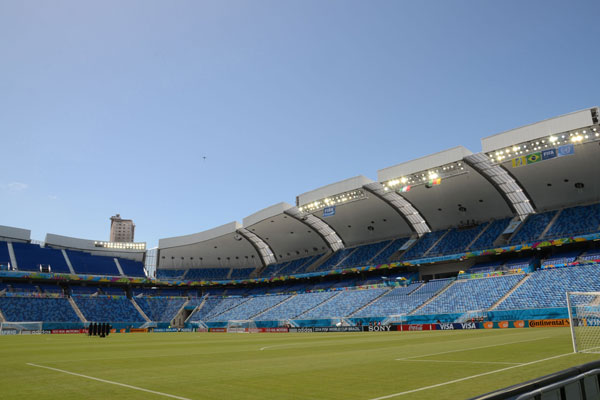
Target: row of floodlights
(121, 245)
(425, 176)
(333, 200)
(537, 145)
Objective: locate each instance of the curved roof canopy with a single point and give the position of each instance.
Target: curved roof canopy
(446, 190)
(218, 247)
(550, 164)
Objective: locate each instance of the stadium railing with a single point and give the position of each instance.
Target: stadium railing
(580, 382)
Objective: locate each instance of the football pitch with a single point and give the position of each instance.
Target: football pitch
(365, 366)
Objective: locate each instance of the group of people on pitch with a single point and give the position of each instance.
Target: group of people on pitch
(101, 329)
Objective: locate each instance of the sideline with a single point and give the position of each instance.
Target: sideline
(389, 396)
(110, 382)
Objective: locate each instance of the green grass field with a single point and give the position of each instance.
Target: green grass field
(279, 366)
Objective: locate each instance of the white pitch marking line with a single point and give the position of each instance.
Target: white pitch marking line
(471, 348)
(110, 382)
(465, 362)
(469, 377)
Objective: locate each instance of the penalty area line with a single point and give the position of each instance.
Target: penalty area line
(109, 382)
(389, 396)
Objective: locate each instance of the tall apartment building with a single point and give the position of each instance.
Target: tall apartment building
(121, 230)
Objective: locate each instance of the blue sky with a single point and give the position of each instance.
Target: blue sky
(108, 107)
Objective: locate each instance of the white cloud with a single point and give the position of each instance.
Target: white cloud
(14, 187)
(53, 197)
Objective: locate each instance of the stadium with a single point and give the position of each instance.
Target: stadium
(447, 277)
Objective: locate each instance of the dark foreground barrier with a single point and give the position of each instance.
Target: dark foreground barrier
(575, 383)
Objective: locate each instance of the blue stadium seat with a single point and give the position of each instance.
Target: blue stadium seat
(485, 267)
(174, 274)
(489, 236)
(456, 241)
(30, 256)
(590, 255)
(343, 304)
(208, 274)
(296, 306)
(397, 301)
(51, 289)
(575, 221)
(404, 300)
(160, 309)
(113, 291)
(384, 256)
(561, 258)
(38, 309)
(87, 264)
(132, 267)
(533, 227)
(4, 256)
(423, 244)
(363, 254)
(214, 306)
(145, 292)
(519, 264)
(471, 295)
(24, 288)
(299, 266)
(251, 307)
(546, 288)
(334, 260)
(241, 273)
(107, 308)
(85, 289)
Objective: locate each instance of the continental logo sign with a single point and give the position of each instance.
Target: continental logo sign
(549, 323)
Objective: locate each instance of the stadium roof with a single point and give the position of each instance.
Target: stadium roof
(557, 161)
(10, 232)
(220, 246)
(550, 164)
(359, 215)
(289, 236)
(446, 190)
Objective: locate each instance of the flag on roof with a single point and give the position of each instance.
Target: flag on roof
(534, 157)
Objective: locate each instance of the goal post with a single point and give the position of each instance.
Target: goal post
(241, 326)
(17, 328)
(395, 319)
(584, 321)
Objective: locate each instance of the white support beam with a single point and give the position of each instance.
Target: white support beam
(263, 249)
(324, 230)
(410, 214)
(510, 189)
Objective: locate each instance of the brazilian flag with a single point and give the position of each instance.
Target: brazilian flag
(533, 158)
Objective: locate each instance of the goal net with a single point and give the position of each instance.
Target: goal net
(17, 328)
(396, 319)
(472, 315)
(584, 319)
(241, 326)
